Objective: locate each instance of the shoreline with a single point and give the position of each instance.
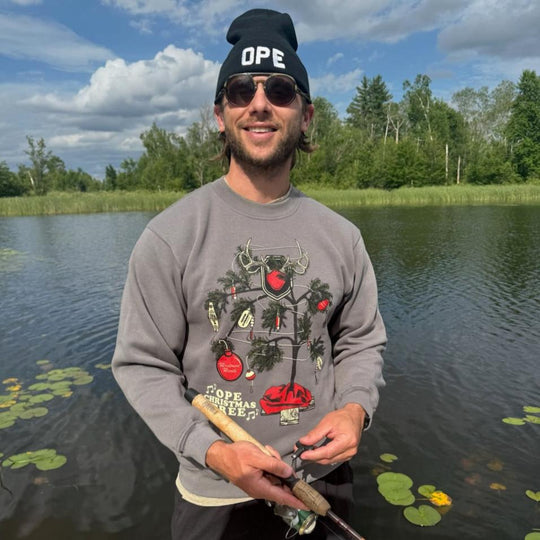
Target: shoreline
(150, 201)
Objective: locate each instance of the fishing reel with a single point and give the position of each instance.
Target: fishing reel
(302, 521)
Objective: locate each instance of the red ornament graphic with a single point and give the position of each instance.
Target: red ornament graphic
(229, 366)
(323, 304)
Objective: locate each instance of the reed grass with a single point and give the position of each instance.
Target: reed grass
(146, 201)
(88, 203)
(457, 195)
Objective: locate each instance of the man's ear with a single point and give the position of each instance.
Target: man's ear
(218, 114)
(307, 116)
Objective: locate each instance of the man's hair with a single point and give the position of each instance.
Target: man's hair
(303, 144)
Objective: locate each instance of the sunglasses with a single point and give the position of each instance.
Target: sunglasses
(279, 89)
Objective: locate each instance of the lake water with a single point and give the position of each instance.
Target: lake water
(460, 295)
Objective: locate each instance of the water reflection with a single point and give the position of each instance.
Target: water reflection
(459, 294)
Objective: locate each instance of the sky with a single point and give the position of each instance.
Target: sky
(89, 76)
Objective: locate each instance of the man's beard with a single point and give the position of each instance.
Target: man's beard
(284, 150)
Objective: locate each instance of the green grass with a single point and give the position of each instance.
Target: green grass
(85, 203)
(463, 195)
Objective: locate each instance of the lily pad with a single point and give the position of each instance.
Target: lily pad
(103, 366)
(49, 464)
(388, 458)
(45, 460)
(514, 421)
(395, 488)
(56, 377)
(79, 381)
(531, 410)
(426, 490)
(533, 536)
(44, 453)
(41, 398)
(38, 387)
(36, 412)
(532, 495)
(424, 515)
(397, 478)
(5, 423)
(532, 419)
(18, 460)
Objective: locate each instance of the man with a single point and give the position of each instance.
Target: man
(263, 300)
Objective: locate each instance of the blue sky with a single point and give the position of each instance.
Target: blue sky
(89, 76)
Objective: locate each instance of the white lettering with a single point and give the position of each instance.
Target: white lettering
(261, 53)
(247, 56)
(277, 58)
(252, 55)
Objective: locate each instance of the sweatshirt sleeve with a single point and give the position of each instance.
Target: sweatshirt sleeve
(359, 338)
(147, 361)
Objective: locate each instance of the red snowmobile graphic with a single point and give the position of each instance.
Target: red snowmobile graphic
(286, 396)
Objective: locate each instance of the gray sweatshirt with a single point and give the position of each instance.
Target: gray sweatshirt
(269, 310)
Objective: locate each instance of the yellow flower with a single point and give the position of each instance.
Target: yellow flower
(10, 380)
(14, 388)
(497, 487)
(439, 498)
(7, 404)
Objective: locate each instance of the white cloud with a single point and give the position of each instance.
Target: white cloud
(144, 26)
(175, 79)
(101, 122)
(335, 84)
(378, 20)
(503, 29)
(29, 38)
(171, 8)
(336, 58)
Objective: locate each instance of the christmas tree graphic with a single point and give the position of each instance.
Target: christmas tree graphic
(262, 288)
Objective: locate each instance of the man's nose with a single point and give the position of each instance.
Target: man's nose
(259, 99)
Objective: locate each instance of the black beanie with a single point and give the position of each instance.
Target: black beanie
(264, 41)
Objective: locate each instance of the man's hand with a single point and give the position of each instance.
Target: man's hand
(247, 467)
(344, 429)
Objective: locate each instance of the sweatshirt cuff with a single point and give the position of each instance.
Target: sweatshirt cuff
(362, 397)
(196, 444)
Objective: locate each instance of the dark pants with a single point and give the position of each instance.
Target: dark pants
(256, 520)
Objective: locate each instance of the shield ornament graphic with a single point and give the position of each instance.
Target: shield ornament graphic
(274, 281)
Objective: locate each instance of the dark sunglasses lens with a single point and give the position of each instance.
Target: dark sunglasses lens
(280, 90)
(240, 90)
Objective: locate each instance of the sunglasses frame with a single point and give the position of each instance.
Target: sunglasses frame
(252, 75)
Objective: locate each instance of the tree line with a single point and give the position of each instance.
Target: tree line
(482, 137)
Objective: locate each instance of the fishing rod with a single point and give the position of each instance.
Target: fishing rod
(301, 489)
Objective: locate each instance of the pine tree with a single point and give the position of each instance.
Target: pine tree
(524, 126)
(368, 109)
